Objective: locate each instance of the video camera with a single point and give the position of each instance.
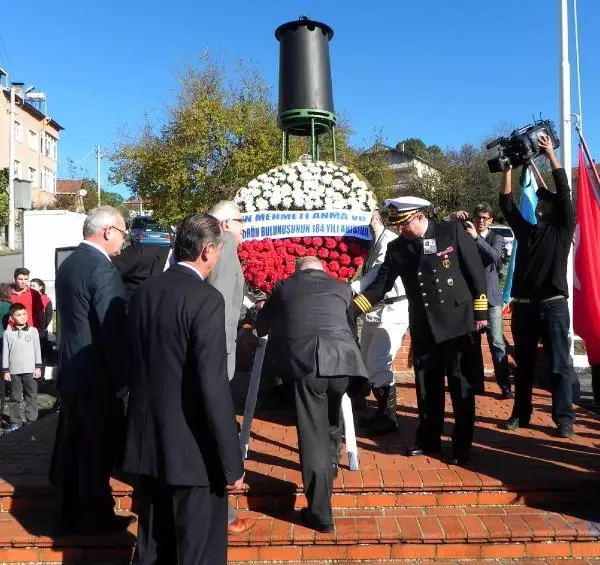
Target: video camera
(521, 145)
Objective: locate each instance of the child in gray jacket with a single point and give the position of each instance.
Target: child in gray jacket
(21, 365)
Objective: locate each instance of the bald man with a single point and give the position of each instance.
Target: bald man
(308, 312)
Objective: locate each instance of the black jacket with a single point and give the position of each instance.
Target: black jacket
(181, 422)
(93, 357)
(138, 262)
(446, 289)
(308, 315)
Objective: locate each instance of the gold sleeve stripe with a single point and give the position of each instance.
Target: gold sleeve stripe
(362, 303)
(480, 304)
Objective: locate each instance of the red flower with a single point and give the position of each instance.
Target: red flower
(243, 255)
(317, 242)
(345, 259)
(300, 251)
(330, 243)
(358, 261)
(343, 247)
(323, 253)
(334, 266)
(307, 240)
(311, 251)
(334, 255)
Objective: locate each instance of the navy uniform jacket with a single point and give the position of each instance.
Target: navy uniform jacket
(446, 289)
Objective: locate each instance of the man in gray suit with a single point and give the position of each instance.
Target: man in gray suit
(228, 279)
(308, 312)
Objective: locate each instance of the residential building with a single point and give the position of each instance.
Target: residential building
(36, 137)
(403, 164)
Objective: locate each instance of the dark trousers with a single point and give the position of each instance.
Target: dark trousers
(180, 525)
(495, 336)
(22, 387)
(550, 322)
(318, 418)
(431, 364)
(83, 458)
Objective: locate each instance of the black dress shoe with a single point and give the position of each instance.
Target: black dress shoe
(457, 459)
(417, 450)
(309, 521)
(565, 430)
(513, 423)
(506, 393)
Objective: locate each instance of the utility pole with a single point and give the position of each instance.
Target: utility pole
(11, 169)
(98, 157)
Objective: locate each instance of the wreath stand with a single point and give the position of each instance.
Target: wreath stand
(250, 408)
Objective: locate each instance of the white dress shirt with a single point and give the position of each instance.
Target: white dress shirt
(96, 246)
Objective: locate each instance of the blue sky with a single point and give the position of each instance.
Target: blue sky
(448, 72)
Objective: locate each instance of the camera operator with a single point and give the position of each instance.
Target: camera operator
(540, 294)
(490, 246)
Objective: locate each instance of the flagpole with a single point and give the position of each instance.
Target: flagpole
(565, 130)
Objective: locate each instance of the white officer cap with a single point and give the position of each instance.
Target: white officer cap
(402, 208)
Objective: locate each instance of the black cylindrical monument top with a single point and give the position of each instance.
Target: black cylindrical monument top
(304, 75)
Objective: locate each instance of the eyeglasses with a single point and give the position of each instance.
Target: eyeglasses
(236, 220)
(122, 232)
(482, 218)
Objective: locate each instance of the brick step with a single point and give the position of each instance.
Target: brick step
(489, 536)
(354, 491)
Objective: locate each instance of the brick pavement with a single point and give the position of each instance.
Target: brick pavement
(525, 495)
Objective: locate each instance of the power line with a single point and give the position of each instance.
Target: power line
(5, 51)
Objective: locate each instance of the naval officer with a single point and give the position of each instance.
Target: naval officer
(445, 285)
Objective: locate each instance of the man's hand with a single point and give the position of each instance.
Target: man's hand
(237, 485)
(481, 325)
(545, 144)
(37, 373)
(470, 229)
(460, 215)
(7, 377)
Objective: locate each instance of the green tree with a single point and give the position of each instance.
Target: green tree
(220, 133)
(77, 203)
(3, 196)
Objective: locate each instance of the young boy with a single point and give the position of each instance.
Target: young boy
(21, 365)
(30, 299)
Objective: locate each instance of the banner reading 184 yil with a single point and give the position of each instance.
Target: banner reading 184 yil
(306, 223)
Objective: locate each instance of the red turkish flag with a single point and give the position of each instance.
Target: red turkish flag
(586, 284)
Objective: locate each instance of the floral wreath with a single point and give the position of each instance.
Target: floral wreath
(303, 186)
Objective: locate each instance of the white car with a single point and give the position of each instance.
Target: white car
(509, 238)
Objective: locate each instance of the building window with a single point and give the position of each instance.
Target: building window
(33, 140)
(48, 180)
(33, 176)
(17, 169)
(48, 145)
(18, 132)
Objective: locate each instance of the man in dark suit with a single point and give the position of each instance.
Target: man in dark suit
(182, 437)
(446, 290)
(138, 262)
(93, 366)
(309, 312)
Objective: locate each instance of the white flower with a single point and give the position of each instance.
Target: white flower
(287, 202)
(346, 189)
(299, 200)
(328, 204)
(297, 185)
(308, 204)
(305, 175)
(275, 200)
(286, 190)
(262, 204)
(338, 205)
(256, 192)
(338, 184)
(250, 208)
(326, 179)
(315, 170)
(291, 178)
(318, 203)
(254, 184)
